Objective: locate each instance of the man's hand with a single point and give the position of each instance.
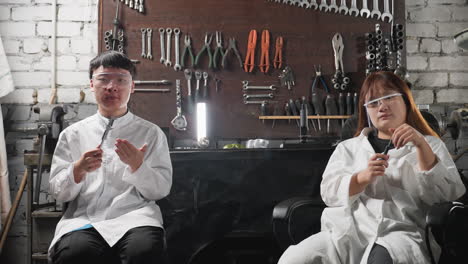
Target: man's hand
(129, 154)
(88, 162)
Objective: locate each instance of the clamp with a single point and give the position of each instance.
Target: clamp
(232, 47)
(250, 57)
(206, 47)
(219, 48)
(264, 64)
(278, 60)
(187, 49)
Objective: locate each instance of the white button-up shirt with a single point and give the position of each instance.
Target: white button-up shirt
(390, 211)
(112, 198)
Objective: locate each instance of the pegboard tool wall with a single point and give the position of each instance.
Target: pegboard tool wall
(307, 34)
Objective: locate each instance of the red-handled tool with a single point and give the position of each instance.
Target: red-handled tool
(264, 64)
(278, 60)
(250, 57)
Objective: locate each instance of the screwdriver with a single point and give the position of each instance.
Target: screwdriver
(276, 112)
(263, 110)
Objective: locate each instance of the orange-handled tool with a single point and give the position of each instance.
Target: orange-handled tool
(249, 58)
(264, 64)
(278, 60)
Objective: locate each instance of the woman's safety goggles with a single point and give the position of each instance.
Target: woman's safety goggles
(387, 99)
(120, 80)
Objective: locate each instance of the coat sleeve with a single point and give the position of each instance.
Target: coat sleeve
(62, 185)
(336, 178)
(442, 182)
(154, 177)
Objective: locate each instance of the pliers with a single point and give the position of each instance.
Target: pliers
(219, 48)
(264, 64)
(232, 46)
(318, 75)
(250, 57)
(278, 60)
(206, 47)
(187, 49)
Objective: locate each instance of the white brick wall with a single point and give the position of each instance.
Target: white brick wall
(438, 69)
(26, 29)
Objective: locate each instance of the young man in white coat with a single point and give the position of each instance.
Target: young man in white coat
(379, 185)
(110, 168)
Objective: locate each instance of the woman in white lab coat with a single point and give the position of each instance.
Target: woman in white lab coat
(377, 202)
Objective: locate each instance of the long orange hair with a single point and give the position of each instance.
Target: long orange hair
(388, 80)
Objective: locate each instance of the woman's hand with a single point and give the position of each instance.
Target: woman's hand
(375, 168)
(406, 133)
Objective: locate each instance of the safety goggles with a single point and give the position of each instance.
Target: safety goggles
(120, 80)
(387, 99)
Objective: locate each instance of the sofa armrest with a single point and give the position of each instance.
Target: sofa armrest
(295, 219)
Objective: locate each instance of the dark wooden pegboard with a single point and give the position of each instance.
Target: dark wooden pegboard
(307, 35)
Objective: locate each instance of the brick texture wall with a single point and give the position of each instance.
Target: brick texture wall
(438, 69)
(26, 29)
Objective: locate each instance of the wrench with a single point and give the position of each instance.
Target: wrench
(136, 5)
(177, 66)
(143, 40)
(130, 4)
(365, 10)
(198, 76)
(333, 6)
(343, 7)
(188, 77)
(304, 4)
(205, 85)
(271, 87)
(150, 52)
(168, 62)
(353, 9)
(141, 8)
(376, 12)
(255, 102)
(314, 4)
(247, 96)
(323, 5)
(161, 39)
(386, 13)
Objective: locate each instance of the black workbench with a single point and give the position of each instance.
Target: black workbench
(222, 200)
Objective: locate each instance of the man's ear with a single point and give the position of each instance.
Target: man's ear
(91, 85)
(132, 90)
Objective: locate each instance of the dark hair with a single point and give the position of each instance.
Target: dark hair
(111, 59)
(389, 80)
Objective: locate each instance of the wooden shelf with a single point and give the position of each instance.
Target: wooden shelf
(308, 117)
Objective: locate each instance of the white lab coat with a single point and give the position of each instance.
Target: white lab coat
(390, 211)
(112, 198)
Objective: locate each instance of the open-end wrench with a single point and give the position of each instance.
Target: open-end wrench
(143, 41)
(333, 6)
(247, 96)
(168, 62)
(386, 13)
(205, 85)
(365, 10)
(353, 9)
(304, 4)
(177, 66)
(149, 33)
(313, 4)
(136, 5)
(161, 40)
(141, 8)
(271, 87)
(188, 77)
(323, 6)
(376, 12)
(198, 76)
(255, 102)
(343, 7)
(130, 4)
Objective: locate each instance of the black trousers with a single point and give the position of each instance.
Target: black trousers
(379, 255)
(140, 245)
